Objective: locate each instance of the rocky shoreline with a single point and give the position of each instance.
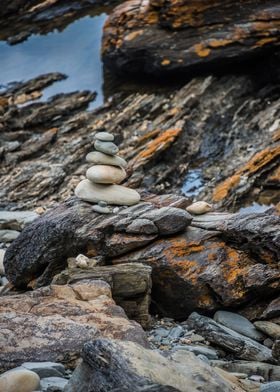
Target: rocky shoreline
(131, 268)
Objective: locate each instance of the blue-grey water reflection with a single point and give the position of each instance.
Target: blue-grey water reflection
(75, 51)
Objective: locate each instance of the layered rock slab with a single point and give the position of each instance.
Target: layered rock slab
(53, 323)
(158, 37)
(107, 364)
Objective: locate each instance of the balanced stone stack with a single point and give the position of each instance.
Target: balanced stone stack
(107, 171)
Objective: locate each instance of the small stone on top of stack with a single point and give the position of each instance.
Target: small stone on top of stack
(101, 185)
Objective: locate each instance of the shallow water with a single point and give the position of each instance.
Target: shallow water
(75, 51)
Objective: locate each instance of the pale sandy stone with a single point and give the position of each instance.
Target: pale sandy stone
(112, 194)
(199, 208)
(102, 174)
(19, 381)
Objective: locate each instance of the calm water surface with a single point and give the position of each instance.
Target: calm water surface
(75, 52)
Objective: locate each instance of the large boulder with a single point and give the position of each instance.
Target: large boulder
(158, 37)
(53, 323)
(109, 365)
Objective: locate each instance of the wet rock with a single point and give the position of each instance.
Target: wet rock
(98, 158)
(16, 220)
(239, 324)
(8, 235)
(19, 380)
(112, 194)
(268, 371)
(133, 367)
(53, 383)
(271, 329)
(66, 316)
(271, 387)
(242, 347)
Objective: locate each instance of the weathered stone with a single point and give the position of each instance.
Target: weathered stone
(239, 324)
(104, 174)
(98, 158)
(268, 328)
(168, 220)
(106, 147)
(166, 37)
(53, 383)
(142, 226)
(241, 346)
(273, 309)
(108, 364)
(271, 387)
(267, 371)
(209, 352)
(66, 317)
(112, 194)
(276, 350)
(16, 220)
(2, 254)
(8, 235)
(104, 136)
(101, 210)
(19, 380)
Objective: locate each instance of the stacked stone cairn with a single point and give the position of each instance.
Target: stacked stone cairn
(108, 170)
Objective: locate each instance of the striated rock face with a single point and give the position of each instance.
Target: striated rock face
(162, 36)
(200, 263)
(53, 323)
(107, 364)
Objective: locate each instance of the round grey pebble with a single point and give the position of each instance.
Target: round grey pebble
(104, 136)
(271, 387)
(101, 210)
(102, 203)
(106, 147)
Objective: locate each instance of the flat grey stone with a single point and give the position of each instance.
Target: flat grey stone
(238, 324)
(8, 235)
(16, 220)
(139, 226)
(271, 387)
(104, 136)
(210, 353)
(106, 147)
(99, 158)
(45, 369)
(176, 332)
(54, 383)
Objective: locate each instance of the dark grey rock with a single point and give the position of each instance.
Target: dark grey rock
(276, 350)
(271, 387)
(239, 324)
(45, 369)
(145, 226)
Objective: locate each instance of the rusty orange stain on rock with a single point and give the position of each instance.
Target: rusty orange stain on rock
(216, 43)
(165, 62)
(265, 41)
(255, 164)
(133, 35)
(201, 50)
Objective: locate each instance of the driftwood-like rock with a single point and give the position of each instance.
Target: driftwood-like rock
(200, 268)
(242, 346)
(158, 37)
(107, 365)
(38, 253)
(130, 284)
(53, 323)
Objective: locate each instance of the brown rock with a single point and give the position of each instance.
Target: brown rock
(53, 323)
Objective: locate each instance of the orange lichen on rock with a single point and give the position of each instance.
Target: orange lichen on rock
(131, 36)
(201, 50)
(216, 43)
(159, 144)
(165, 62)
(258, 162)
